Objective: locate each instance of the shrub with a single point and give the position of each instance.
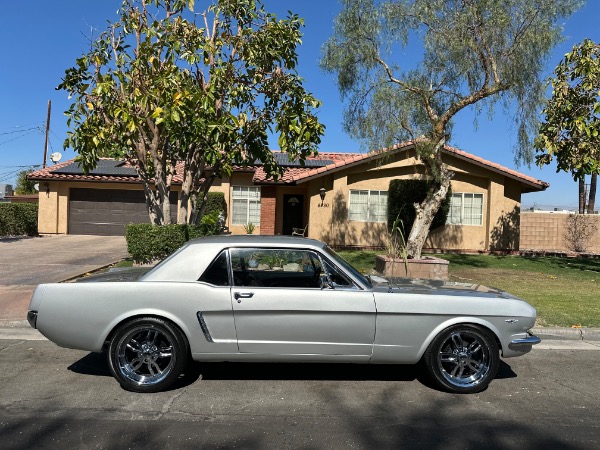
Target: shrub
(215, 201)
(402, 196)
(579, 231)
(147, 243)
(18, 219)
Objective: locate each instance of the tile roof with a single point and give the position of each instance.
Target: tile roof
(361, 158)
(110, 170)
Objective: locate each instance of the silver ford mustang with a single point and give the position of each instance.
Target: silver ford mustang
(257, 298)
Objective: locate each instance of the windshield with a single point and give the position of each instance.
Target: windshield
(346, 265)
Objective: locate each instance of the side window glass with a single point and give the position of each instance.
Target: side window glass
(275, 268)
(217, 273)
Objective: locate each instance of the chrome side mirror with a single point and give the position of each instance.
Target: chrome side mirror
(326, 282)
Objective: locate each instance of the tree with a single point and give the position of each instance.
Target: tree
(25, 186)
(475, 54)
(570, 131)
(157, 89)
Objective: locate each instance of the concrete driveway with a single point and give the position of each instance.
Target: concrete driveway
(27, 262)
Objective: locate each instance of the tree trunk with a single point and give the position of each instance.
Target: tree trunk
(425, 212)
(592, 198)
(184, 203)
(582, 195)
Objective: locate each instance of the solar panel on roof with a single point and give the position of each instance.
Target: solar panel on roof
(283, 160)
(106, 167)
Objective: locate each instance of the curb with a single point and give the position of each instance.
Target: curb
(578, 334)
(13, 323)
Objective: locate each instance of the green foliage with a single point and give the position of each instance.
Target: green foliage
(148, 243)
(157, 89)
(571, 128)
(476, 52)
(25, 186)
(403, 194)
(18, 219)
(215, 202)
(249, 228)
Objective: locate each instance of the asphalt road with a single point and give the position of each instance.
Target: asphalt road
(57, 398)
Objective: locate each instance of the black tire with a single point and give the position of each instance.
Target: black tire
(463, 359)
(147, 354)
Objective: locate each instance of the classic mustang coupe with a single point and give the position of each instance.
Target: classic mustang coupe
(256, 298)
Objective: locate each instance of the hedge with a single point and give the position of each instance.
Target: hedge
(402, 196)
(18, 219)
(147, 243)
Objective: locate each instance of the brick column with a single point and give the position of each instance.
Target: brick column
(268, 202)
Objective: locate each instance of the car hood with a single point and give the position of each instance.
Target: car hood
(439, 287)
(116, 274)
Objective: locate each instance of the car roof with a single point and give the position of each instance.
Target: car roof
(254, 240)
(187, 263)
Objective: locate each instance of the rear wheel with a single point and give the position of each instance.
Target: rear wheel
(147, 354)
(463, 359)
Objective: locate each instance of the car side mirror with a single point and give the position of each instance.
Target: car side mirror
(326, 282)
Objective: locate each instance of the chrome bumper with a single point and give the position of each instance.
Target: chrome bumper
(530, 340)
(32, 318)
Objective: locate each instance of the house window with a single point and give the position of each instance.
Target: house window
(368, 206)
(466, 209)
(246, 205)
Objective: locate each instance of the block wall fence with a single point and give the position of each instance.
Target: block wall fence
(545, 231)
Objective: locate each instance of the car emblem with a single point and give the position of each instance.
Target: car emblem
(511, 320)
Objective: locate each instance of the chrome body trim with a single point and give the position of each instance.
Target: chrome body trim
(204, 327)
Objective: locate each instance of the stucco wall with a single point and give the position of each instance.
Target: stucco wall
(545, 231)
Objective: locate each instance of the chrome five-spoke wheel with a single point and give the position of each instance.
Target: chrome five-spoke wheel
(463, 358)
(147, 355)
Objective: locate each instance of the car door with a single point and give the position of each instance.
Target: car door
(280, 307)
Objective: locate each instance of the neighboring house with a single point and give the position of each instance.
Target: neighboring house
(484, 211)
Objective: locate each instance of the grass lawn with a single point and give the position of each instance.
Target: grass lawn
(565, 291)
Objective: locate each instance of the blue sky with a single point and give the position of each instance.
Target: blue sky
(40, 39)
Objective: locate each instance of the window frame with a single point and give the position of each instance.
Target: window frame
(248, 200)
(228, 268)
(323, 259)
(368, 210)
(462, 209)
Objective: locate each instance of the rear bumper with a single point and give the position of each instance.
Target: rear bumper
(32, 318)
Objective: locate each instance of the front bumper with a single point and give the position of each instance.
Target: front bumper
(524, 344)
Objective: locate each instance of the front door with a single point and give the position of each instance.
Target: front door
(293, 212)
(280, 308)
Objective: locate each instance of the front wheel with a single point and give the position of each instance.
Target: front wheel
(463, 359)
(147, 354)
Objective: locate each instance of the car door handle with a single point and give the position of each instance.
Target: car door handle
(239, 295)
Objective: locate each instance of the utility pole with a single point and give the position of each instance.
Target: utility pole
(47, 131)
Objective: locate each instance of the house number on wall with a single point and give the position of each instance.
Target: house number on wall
(323, 205)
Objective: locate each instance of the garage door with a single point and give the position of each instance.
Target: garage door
(107, 211)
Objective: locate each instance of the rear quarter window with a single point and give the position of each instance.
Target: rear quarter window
(217, 272)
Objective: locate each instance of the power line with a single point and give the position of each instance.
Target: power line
(20, 131)
(21, 166)
(18, 137)
(34, 124)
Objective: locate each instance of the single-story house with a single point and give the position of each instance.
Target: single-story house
(340, 198)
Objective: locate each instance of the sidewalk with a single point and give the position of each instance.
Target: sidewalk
(27, 262)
